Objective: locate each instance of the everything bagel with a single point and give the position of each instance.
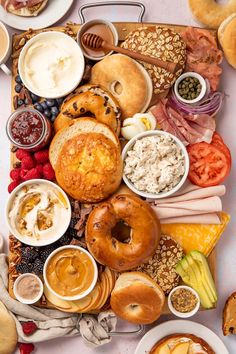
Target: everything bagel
(93, 100)
(211, 13)
(143, 239)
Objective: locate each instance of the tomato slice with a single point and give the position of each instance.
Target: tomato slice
(219, 142)
(209, 165)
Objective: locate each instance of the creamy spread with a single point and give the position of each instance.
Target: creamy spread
(155, 164)
(38, 211)
(28, 287)
(52, 65)
(70, 272)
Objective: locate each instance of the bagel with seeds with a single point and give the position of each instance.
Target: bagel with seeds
(210, 12)
(90, 100)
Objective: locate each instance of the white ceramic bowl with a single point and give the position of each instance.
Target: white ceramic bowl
(85, 293)
(202, 82)
(68, 41)
(21, 299)
(30, 240)
(160, 195)
(88, 24)
(183, 314)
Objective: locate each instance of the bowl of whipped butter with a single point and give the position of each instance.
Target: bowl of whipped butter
(51, 64)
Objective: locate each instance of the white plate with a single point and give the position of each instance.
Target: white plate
(180, 326)
(52, 13)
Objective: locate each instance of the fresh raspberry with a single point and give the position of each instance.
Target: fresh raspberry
(27, 162)
(39, 168)
(26, 348)
(15, 174)
(23, 173)
(13, 185)
(48, 172)
(41, 156)
(29, 327)
(22, 153)
(32, 174)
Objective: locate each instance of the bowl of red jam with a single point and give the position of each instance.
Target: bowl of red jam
(28, 129)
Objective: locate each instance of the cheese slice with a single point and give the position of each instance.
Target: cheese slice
(201, 237)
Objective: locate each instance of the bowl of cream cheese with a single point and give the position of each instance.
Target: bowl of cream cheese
(51, 64)
(38, 212)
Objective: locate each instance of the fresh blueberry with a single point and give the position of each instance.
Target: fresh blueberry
(60, 100)
(47, 113)
(50, 103)
(44, 105)
(55, 110)
(18, 79)
(18, 88)
(20, 102)
(38, 107)
(34, 97)
(53, 117)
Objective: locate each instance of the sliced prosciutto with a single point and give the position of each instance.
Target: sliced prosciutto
(203, 55)
(19, 4)
(188, 128)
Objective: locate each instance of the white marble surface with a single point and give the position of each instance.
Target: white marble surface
(165, 11)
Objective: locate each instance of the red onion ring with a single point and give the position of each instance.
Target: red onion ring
(210, 105)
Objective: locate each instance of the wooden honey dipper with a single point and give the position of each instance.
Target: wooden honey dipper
(94, 41)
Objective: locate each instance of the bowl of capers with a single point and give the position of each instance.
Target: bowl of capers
(190, 88)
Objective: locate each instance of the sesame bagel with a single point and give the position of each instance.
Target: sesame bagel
(143, 238)
(210, 12)
(90, 100)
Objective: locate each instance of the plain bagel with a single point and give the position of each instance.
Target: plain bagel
(211, 13)
(90, 99)
(136, 298)
(127, 80)
(143, 239)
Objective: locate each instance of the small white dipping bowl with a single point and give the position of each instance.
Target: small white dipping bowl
(85, 293)
(160, 195)
(88, 24)
(21, 299)
(77, 60)
(31, 241)
(183, 314)
(201, 94)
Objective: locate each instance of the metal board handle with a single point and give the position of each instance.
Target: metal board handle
(137, 332)
(112, 3)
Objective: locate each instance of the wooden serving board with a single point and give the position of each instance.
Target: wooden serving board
(71, 29)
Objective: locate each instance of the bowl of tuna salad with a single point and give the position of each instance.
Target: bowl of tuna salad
(156, 164)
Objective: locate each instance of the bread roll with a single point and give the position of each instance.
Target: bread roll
(136, 298)
(227, 39)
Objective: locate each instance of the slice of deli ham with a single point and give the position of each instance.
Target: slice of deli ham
(203, 55)
(190, 129)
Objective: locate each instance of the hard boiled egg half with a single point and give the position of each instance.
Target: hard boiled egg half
(139, 123)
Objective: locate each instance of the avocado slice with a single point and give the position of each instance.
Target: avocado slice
(205, 271)
(185, 270)
(200, 281)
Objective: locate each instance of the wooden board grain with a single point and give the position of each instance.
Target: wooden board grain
(71, 29)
